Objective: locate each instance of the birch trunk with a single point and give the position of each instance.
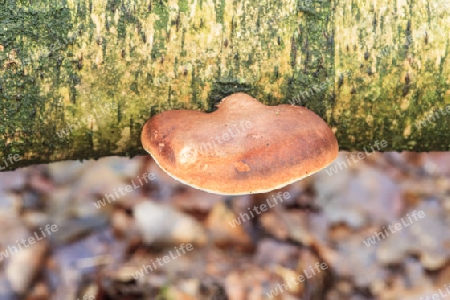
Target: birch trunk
(79, 78)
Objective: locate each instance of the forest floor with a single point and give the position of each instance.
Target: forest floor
(374, 226)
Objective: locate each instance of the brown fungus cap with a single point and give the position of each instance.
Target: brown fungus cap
(244, 147)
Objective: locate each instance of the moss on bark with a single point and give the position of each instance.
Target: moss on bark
(98, 69)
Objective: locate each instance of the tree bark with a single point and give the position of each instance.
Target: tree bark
(79, 78)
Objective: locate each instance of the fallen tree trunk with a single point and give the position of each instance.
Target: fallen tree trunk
(80, 78)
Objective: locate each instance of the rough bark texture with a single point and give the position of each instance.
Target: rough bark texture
(99, 69)
(398, 56)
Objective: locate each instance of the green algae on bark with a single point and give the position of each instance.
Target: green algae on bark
(370, 70)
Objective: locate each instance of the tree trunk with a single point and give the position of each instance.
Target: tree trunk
(79, 78)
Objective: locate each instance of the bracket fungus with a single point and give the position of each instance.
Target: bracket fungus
(243, 147)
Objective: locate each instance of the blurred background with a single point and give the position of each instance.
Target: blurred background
(369, 228)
